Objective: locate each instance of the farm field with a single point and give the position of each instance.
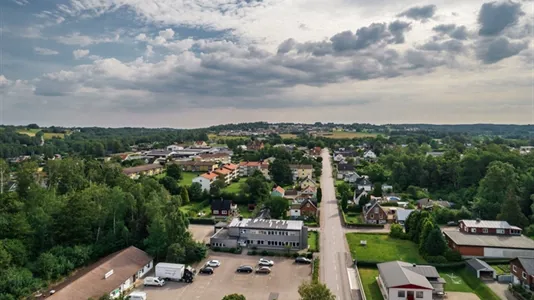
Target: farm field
(46, 135)
(213, 136)
(382, 248)
(288, 135)
(346, 134)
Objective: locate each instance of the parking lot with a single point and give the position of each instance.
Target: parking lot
(281, 284)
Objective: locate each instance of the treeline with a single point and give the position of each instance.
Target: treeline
(85, 211)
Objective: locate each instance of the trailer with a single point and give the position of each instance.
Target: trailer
(175, 272)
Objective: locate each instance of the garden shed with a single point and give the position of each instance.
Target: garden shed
(481, 269)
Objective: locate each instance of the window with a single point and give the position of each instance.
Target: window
(514, 268)
(484, 230)
(381, 216)
(474, 230)
(224, 212)
(371, 216)
(500, 231)
(401, 294)
(376, 209)
(524, 275)
(215, 212)
(418, 294)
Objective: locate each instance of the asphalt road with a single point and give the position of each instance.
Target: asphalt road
(334, 253)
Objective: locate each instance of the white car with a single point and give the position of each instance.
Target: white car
(213, 263)
(265, 262)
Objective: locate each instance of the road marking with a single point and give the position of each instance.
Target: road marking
(337, 287)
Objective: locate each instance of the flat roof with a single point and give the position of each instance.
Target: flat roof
(495, 241)
(489, 224)
(221, 234)
(267, 224)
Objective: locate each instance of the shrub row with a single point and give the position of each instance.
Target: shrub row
(276, 253)
(228, 250)
(315, 271)
(204, 221)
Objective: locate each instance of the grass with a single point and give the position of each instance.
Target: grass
(501, 269)
(46, 135)
(346, 135)
(315, 271)
(382, 248)
(213, 136)
(370, 286)
(187, 178)
(243, 211)
(478, 287)
(288, 136)
(455, 283)
(339, 181)
(234, 187)
(313, 241)
(192, 209)
(353, 218)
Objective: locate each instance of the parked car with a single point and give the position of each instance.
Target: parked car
(206, 270)
(213, 263)
(265, 262)
(263, 270)
(154, 281)
(302, 260)
(452, 223)
(245, 269)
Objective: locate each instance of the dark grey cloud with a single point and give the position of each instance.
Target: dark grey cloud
(397, 29)
(494, 50)
(494, 17)
(451, 46)
(287, 46)
(419, 12)
(453, 31)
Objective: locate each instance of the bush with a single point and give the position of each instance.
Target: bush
(228, 250)
(452, 255)
(309, 255)
(365, 225)
(203, 221)
(295, 255)
(389, 204)
(396, 231)
(315, 271)
(264, 252)
(253, 252)
(436, 259)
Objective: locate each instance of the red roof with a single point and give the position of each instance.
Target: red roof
(209, 175)
(279, 189)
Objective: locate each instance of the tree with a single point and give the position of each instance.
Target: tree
(4, 175)
(344, 203)
(315, 291)
(396, 231)
(256, 189)
(234, 297)
(427, 227)
(434, 244)
(278, 207)
(216, 188)
(195, 192)
(511, 212)
(377, 190)
(499, 180)
(156, 242)
(319, 194)
(176, 253)
(281, 172)
(184, 194)
(170, 185)
(174, 171)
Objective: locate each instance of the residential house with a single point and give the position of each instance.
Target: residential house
(339, 158)
(308, 182)
(308, 208)
(428, 204)
(255, 145)
(159, 153)
(343, 169)
(481, 269)
(301, 171)
(351, 177)
(522, 269)
(143, 170)
(211, 176)
(489, 239)
(234, 170)
(401, 280)
(222, 208)
(262, 234)
(375, 214)
(358, 195)
(315, 152)
(214, 157)
(370, 155)
(197, 166)
(435, 154)
(278, 191)
(200, 144)
(364, 184)
(113, 275)
(224, 174)
(205, 181)
(302, 197)
(402, 215)
(309, 191)
(291, 194)
(523, 150)
(175, 147)
(247, 168)
(264, 168)
(387, 188)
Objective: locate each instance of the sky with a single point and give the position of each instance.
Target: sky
(197, 63)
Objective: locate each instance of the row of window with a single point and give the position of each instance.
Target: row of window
(223, 212)
(222, 245)
(524, 275)
(402, 294)
(273, 243)
(270, 232)
(485, 230)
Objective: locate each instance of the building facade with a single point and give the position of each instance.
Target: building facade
(522, 270)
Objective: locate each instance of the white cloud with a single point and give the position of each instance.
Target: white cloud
(149, 51)
(80, 53)
(77, 39)
(21, 2)
(45, 51)
(167, 33)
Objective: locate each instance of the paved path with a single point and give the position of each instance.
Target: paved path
(334, 253)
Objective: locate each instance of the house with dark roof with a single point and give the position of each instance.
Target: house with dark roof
(112, 275)
(364, 184)
(375, 214)
(522, 269)
(401, 280)
(428, 204)
(222, 208)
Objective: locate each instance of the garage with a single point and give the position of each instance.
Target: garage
(481, 269)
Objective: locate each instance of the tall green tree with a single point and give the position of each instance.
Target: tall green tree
(434, 244)
(4, 175)
(278, 207)
(184, 194)
(315, 291)
(281, 172)
(157, 240)
(511, 212)
(499, 180)
(319, 194)
(377, 190)
(174, 171)
(195, 192)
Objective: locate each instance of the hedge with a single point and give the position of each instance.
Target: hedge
(228, 250)
(205, 221)
(279, 253)
(315, 271)
(452, 265)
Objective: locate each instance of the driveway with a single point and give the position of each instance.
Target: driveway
(201, 233)
(501, 289)
(461, 296)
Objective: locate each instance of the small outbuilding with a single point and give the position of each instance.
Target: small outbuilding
(481, 269)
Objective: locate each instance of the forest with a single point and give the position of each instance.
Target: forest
(86, 210)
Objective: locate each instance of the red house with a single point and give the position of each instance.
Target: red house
(488, 227)
(522, 269)
(375, 214)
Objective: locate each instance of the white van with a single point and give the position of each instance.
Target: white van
(137, 296)
(154, 281)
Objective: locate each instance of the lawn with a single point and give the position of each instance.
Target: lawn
(187, 178)
(192, 209)
(243, 211)
(234, 187)
(370, 286)
(339, 181)
(501, 269)
(313, 241)
(288, 135)
(455, 283)
(382, 248)
(353, 218)
(46, 135)
(479, 288)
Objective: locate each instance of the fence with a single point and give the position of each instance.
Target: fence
(358, 278)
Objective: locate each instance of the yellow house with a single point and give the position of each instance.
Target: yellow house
(146, 170)
(197, 166)
(301, 171)
(308, 182)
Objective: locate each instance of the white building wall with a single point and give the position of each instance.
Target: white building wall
(394, 294)
(205, 183)
(507, 253)
(295, 212)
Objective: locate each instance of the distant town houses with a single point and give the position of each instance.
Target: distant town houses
(370, 155)
(247, 168)
(435, 154)
(213, 157)
(143, 170)
(255, 145)
(197, 166)
(301, 171)
(523, 150)
(428, 204)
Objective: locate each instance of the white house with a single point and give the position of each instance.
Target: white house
(204, 182)
(400, 280)
(369, 155)
(523, 150)
(339, 158)
(365, 184)
(174, 148)
(351, 177)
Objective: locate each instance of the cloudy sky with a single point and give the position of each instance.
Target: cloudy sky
(194, 63)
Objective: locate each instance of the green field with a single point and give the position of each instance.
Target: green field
(234, 187)
(213, 136)
(370, 286)
(382, 248)
(313, 239)
(455, 282)
(46, 135)
(288, 135)
(345, 135)
(192, 209)
(187, 177)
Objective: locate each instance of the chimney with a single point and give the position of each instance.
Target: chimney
(478, 220)
(240, 218)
